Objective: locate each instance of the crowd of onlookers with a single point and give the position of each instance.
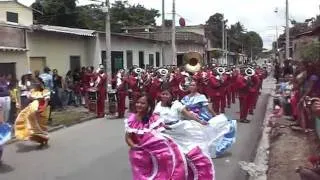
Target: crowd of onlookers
(299, 85)
(65, 91)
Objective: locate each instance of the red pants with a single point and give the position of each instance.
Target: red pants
(121, 97)
(101, 104)
(244, 107)
(252, 100)
(217, 103)
(233, 96)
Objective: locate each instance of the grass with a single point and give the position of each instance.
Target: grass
(67, 117)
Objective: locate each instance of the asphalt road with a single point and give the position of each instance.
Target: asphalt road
(96, 150)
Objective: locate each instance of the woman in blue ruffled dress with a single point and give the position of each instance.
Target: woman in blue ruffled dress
(221, 132)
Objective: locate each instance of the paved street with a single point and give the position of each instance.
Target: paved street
(96, 150)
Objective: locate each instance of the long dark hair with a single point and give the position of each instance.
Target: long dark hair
(151, 105)
(169, 103)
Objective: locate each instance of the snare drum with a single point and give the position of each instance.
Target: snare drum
(112, 98)
(92, 96)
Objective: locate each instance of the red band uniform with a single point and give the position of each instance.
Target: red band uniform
(101, 82)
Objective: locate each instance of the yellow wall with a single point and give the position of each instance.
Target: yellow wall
(20, 58)
(57, 49)
(25, 16)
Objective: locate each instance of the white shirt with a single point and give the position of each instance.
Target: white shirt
(170, 114)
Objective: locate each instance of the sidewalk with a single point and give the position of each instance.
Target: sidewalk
(289, 149)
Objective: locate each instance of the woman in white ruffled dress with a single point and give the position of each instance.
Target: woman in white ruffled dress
(188, 134)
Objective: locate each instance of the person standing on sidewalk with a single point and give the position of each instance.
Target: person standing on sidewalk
(5, 101)
(47, 79)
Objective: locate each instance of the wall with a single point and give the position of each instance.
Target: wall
(12, 37)
(123, 44)
(20, 58)
(57, 48)
(25, 16)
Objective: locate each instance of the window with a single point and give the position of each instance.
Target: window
(12, 17)
(129, 59)
(157, 59)
(151, 60)
(75, 63)
(103, 57)
(141, 59)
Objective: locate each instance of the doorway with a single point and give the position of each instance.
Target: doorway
(75, 63)
(37, 63)
(116, 61)
(180, 60)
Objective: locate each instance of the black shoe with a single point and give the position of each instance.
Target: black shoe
(244, 121)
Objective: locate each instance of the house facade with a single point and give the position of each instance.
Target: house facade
(27, 47)
(15, 20)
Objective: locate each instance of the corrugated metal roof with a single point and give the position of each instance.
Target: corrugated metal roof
(67, 30)
(5, 48)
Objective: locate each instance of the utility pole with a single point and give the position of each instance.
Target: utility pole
(107, 63)
(287, 30)
(226, 60)
(277, 45)
(163, 31)
(222, 39)
(173, 38)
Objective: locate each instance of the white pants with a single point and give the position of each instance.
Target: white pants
(5, 105)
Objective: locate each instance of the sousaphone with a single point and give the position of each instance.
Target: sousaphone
(193, 61)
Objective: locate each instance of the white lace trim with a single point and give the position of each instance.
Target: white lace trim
(144, 130)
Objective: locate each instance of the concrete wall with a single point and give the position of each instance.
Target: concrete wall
(25, 16)
(12, 37)
(20, 58)
(57, 49)
(123, 44)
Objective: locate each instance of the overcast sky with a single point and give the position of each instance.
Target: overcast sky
(256, 15)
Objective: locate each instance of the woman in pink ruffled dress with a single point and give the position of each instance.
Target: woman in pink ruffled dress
(152, 156)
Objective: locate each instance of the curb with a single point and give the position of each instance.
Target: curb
(58, 127)
(261, 159)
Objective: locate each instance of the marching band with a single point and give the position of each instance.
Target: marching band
(220, 84)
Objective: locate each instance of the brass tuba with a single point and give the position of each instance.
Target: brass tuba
(193, 62)
(220, 70)
(163, 74)
(249, 72)
(183, 86)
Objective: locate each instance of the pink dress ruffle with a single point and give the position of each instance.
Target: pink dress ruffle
(156, 157)
(200, 166)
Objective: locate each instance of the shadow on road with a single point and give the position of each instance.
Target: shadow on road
(25, 148)
(5, 168)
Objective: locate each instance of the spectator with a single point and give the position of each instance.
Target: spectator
(57, 88)
(4, 98)
(47, 78)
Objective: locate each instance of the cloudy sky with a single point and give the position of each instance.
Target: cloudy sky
(256, 15)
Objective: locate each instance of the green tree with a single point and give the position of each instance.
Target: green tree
(66, 13)
(252, 43)
(56, 12)
(310, 52)
(213, 29)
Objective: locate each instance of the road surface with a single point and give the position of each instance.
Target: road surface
(96, 150)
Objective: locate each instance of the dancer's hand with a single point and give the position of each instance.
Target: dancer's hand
(134, 146)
